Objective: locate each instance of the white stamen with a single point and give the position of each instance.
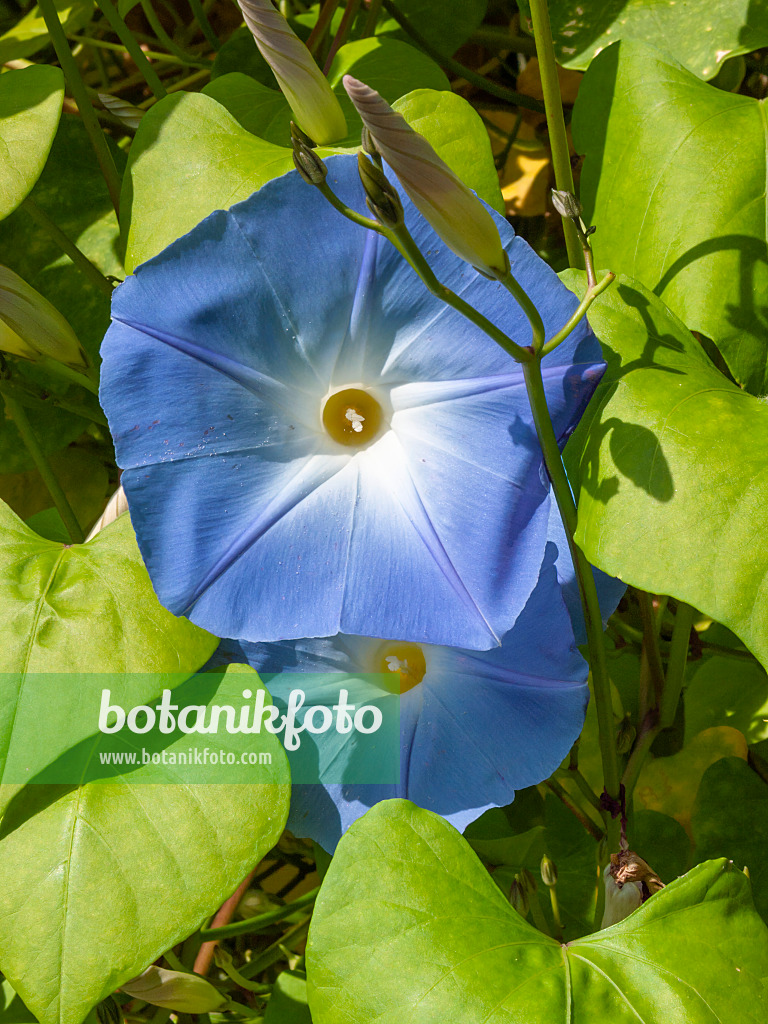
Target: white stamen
(394, 664)
(357, 421)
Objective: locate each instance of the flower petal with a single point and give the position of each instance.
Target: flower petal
(480, 726)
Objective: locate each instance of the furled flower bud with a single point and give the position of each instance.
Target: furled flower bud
(548, 872)
(625, 735)
(304, 85)
(566, 204)
(382, 199)
(455, 212)
(31, 327)
(185, 993)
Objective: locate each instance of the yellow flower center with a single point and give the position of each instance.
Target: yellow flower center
(404, 663)
(352, 417)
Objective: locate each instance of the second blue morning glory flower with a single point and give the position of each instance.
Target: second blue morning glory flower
(312, 443)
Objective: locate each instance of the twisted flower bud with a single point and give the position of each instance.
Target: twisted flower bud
(453, 210)
(31, 327)
(315, 107)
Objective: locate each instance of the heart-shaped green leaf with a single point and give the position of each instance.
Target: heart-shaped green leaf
(189, 158)
(699, 37)
(725, 690)
(30, 108)
(730, 818)
(98, 880)
(673, 467)
(87, 608)
(30, 34)
(674, 179)
(410, 927)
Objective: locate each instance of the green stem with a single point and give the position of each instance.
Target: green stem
(80, 94)
(449, 64)
(590, 606)
(252, 925)
(374, 10)
(562, 795)
(318, 33)
(499, 40)
(651, 644)
(678, 659)
(275, 952)
(586, 302)
(584, 786)
(537, 913)
(167, 58)
(68, 374)
(202, 20)
(24, 427)
(36, 400)
(350, 13)
(408, 249)
(165, 39)
(65, 243)
(556, 913)
(648, 733)
(131, 46)
(527, 306)
(553, 104)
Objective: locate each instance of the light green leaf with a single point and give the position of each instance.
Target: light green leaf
(288, 1002)
(674, 179)
(409, 927)
(728, 691)
(30, 108)
(699, 36)
(30, 34)
(71, 191)
(673, 467)
(456, 131)
(730, 819)
(446, 24)
(566, 843)
(189, 158)
(110, 876)
(87, 607)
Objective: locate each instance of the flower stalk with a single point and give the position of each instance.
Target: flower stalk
(553, 105)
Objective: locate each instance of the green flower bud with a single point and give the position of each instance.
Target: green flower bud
(453, 210)
(566, 204)
(306, 88)
(625, 736)
(185, 993)
(108, 1011)
(31, 327)
(518, 897)
(620, 899)
(548, 872)
(381, 198)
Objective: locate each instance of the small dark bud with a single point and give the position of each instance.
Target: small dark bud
(548, 872)
(108, 1011)
(625, 736)
(309, 165)
(299, 137)
(380, 195)
(366, 141)
(527, 881)
(566, 204)
(518, 897)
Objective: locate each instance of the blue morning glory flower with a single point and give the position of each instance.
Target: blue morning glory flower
(312, 443)
(474, 726)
